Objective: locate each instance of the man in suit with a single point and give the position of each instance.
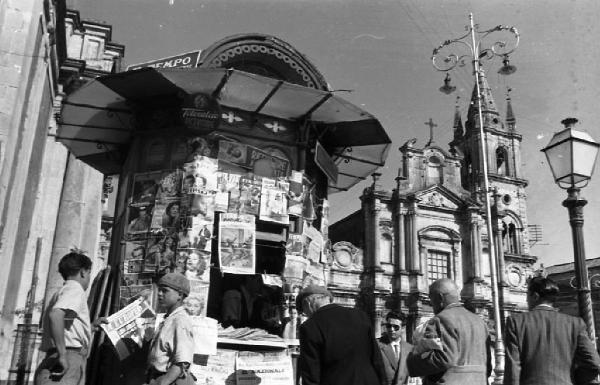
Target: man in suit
(337, 344)
(393, 350)
(458, 351)
(546, 347)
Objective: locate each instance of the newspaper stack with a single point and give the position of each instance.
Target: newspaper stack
(247, 334)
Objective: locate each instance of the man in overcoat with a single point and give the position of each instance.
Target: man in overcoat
(337, 344)
(462, 353)
(393, 350)
(545, 347)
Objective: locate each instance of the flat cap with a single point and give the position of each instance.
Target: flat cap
(310, 290)
(176, 281)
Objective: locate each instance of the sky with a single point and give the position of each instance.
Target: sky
(381, 51)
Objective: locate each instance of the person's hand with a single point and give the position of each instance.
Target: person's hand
(59, 368)
(96, 324)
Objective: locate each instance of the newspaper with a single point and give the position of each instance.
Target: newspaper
(236, 244)
(127, 328)
(273, 368)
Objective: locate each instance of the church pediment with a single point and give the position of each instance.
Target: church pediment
(439, 197)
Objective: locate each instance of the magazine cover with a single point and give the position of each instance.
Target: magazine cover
(273, 202)
(296, 193)
(161, 248)
(201, 234)
(201, 206)
(166, 214)
(195, 303)
(139, 220)
(197, 265)
(169, 185)
(237, 243)
(250, 187)
(314, 275)
(228, 195)
(294, 244)
(145, 187)
(200, 176)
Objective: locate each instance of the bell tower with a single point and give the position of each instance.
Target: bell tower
(509, 202)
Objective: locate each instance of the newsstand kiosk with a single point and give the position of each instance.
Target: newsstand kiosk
(224, 177)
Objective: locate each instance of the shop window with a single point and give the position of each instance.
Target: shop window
(385, 249)
(437, 265)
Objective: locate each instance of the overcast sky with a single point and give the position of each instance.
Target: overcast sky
(382, 49)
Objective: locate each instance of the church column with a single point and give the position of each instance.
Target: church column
(475, 245)
(376, 209)
(413, 250)
(456, 264)
(401, 240)
(423, 258)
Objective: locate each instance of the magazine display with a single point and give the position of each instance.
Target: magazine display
(236, 243)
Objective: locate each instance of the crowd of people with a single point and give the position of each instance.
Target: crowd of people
(338, 345)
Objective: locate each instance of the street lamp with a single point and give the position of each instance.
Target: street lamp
(446, 62)
(572, 155)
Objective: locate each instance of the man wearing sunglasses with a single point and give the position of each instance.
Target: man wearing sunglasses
(393, 350)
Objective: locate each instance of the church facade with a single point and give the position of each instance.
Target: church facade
(432, 225)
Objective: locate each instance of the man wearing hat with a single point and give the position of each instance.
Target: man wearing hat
(337, 344)
(172, 348)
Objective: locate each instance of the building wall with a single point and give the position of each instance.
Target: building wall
(44, 194)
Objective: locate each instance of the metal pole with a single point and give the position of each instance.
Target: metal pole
(574, 203)
(498, 346)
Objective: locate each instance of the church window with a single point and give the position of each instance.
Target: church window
(385, 248)
(437, 265)
(434, 170)
(510, 236)
(501, 161)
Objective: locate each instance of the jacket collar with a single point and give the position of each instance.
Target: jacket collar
(544, 307)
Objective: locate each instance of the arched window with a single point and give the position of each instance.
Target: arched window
(434, 170)
(385, 249)
(510, 236)
(501, 161)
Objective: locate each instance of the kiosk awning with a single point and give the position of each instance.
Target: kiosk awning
(97, 119)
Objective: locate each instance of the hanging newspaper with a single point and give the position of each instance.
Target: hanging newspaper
(205, 335)
(295, 266)
(313, 243)
(296, 194)
(127, 328)
(273, 201)
(236, 244)
(273, 368)
(218, 369)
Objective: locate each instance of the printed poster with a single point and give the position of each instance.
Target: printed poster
(237, 243)
(219, 369)
(273, 202)
(200, 176)
(273, 368)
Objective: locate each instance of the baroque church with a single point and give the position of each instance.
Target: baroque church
(432, 225)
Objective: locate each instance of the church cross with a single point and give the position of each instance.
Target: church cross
(431, 125)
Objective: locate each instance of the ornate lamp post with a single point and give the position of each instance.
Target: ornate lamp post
(443, 61)
(572, 155)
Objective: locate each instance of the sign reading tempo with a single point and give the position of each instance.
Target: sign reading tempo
(183, 60)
